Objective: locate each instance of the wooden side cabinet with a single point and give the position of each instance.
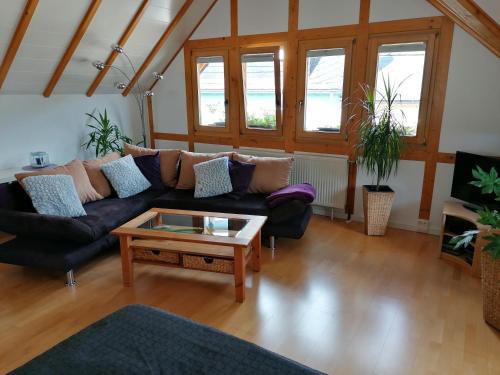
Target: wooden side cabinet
(456, 220)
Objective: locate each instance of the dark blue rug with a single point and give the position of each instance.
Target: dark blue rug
(143, 340)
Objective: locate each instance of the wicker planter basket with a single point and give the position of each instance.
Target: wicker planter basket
(491, 289)
(377, 208)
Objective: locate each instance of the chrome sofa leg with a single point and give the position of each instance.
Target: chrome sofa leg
(272, 243)
(70, 278)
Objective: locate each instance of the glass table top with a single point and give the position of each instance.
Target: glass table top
(190, 224)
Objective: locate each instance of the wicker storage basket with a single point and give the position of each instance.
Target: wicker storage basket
(491, 289)
(208, 264)
(377, 208)
(157, 256)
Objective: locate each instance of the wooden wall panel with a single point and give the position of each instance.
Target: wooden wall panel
(290, 74)
(437, 108)
(151, 123)
(359, 74)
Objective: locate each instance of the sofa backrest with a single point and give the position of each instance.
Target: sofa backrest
(13, 197)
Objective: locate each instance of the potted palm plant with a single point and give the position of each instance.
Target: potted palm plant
(104, 136)
(378, 151)
(489, 242)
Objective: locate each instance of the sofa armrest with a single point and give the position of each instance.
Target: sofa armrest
(82, 230)
(287, 211)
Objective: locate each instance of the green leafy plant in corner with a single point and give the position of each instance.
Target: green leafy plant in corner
(381, 132)
(105, 136)
(489, 183)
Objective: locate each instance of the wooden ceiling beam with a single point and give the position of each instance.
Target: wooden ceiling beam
(469, 16)
(70, 50)
(17, 38)
(159, 44)
(123, 40)
(183, 43)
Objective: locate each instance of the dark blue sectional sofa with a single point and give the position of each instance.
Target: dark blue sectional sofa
(63, 244)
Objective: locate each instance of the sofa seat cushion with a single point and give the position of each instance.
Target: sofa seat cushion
(83, 230)
(62, 255)
(250, 204)
(113, 212)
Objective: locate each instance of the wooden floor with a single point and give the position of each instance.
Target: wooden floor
(337, 300)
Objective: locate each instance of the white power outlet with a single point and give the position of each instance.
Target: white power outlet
(423, 226)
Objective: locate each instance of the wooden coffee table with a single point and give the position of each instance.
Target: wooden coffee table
(207, 241)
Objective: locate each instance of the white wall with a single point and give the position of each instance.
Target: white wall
(56, 125)
(472, 111)
(169, 102)
(471, 119)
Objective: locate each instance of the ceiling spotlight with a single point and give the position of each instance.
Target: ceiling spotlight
(148, 93)
(99, 65)
(120, 85)
(157, 75)
(117, 48)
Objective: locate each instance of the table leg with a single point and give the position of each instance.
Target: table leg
(127, 265)
(239, 273)
(256, 252)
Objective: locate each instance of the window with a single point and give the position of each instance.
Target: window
(324, 68)
(406, 62)
(262, 89)
(210, 97)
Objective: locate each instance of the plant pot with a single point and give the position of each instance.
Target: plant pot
(491, 289)
(377, 206)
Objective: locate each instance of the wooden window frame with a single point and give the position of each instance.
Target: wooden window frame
(207, 129)
(244, 130)
(314, 44)
(431, 39)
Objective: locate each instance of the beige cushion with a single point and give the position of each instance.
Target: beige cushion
(97, 178)
(270, 174)
(75, 169)
(188, 160)
(169, 159)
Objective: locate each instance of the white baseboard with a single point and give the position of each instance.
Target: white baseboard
(422, 227)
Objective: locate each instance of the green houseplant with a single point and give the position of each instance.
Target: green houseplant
(104, 136)
(378, 152)
(489, 241)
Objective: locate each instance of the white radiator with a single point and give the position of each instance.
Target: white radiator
(327, 173)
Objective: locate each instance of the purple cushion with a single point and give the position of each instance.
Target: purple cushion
(303, 192)
(149, 165)
(241, 176)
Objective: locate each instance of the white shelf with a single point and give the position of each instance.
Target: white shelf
(7, 175)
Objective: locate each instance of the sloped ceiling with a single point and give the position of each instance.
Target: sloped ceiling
(55, 22)
(492, 7)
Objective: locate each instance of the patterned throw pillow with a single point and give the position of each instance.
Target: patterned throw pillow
(125, 177)
(212, 178)
(54, 195)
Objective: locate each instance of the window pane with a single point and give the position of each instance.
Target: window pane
(324, 88)
(211, 95)
(259, 87)
(403, 64)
